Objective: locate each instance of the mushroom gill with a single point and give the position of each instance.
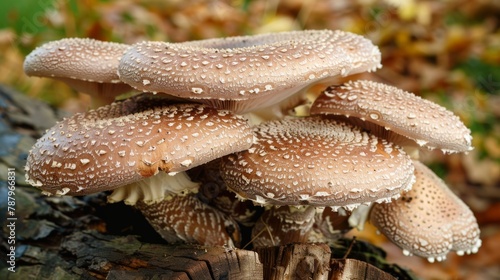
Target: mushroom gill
(429, 220)
(154, 189)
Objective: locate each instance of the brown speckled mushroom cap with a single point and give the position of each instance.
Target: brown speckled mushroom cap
(247, 72)
(88, 65)
(124, 142)
(320, 162)
(390, 112)
(429, 220)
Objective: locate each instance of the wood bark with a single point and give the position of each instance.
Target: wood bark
(125, 257)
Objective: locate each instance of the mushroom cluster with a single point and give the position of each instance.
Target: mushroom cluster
(194, 152)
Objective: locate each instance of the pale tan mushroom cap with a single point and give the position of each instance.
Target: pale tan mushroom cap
(123, 142)
(429, 220)
(320, 162)
(76, 58)
(395, 110)
(87, 65)
(247, 72)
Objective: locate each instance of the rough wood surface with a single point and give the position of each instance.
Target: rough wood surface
(127, 258)
(85, 238)
(296, 261)
(314, 261)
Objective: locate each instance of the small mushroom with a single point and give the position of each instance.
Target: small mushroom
(187, 219)
(319, 162)
(167, 201)
(214, 192)
(87, 65)
(247, 72)
(127, 141)
(395, 115)
(283, 225)
(429, 220)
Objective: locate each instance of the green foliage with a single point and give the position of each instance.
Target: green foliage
(439, 168)
(25, 16)
(486, 76)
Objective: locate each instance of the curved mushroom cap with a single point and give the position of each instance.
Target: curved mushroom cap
(314, 161)
(87, 65)
(124, 142)
(429, 220)
(187, 219)
(247, 72)
(383, 109)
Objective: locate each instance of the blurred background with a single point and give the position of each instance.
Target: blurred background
(445, 51)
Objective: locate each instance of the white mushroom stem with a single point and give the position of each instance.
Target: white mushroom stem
(154, 189)
(359, 216)
(187, 219)
(429, 220)
(283, 225)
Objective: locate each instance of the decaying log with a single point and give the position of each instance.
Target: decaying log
(125, 257)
